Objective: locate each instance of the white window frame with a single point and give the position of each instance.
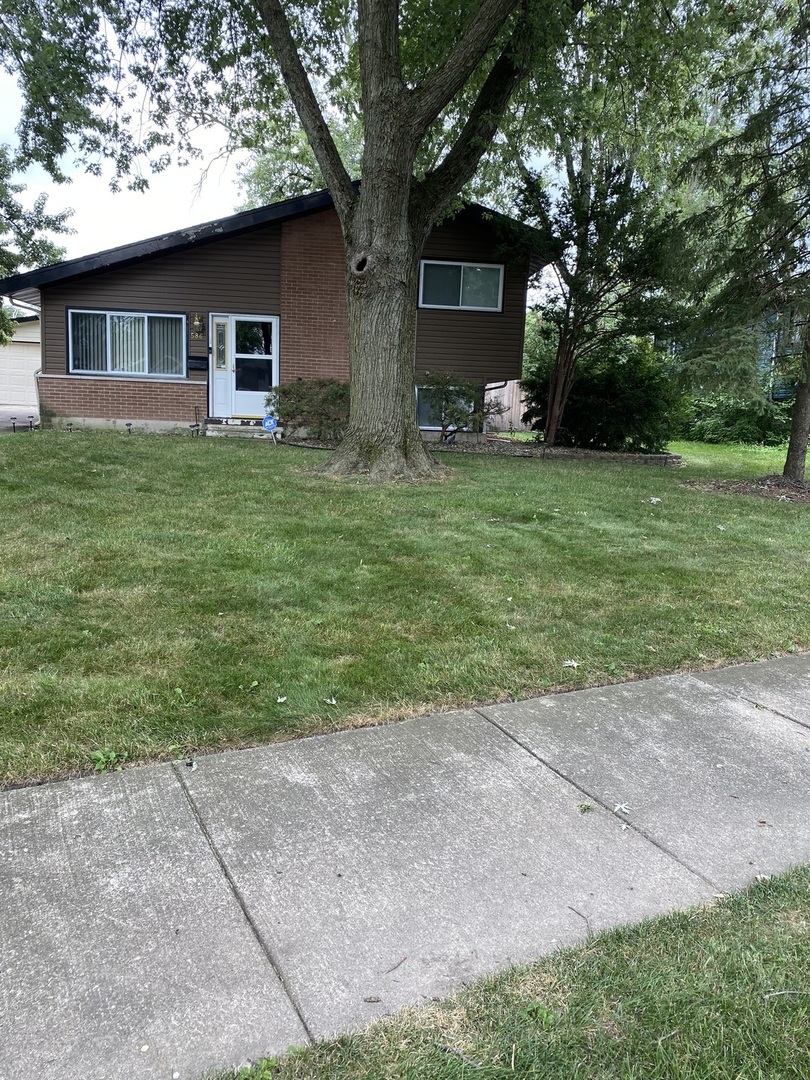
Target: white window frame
(459, 306)
(108, 370)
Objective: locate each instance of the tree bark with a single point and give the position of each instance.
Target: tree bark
(800, 426)
(562, 378)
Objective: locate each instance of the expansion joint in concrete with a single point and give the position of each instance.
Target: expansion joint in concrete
(595, 798)
(774, 712)
(240, 900)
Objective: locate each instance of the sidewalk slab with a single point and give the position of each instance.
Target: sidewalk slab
(124, 952)
(782, 685)
(721, 784)
(389, 865)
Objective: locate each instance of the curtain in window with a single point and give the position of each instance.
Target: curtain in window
(88, 341)
(128, 343)
(165, 346)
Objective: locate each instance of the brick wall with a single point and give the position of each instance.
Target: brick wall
(123, 399)
(314, 328)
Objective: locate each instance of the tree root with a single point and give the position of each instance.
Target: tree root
(384, 464)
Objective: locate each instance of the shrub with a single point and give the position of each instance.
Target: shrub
(454, 403)
(623, 398)
(720, 418)
(320, 406)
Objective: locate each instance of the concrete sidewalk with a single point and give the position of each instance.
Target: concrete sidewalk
(166, 922)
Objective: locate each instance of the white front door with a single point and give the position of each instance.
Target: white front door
(244, 364)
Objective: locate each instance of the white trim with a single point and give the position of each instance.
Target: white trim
(108, 371)
(459, 306)
(231, 320)
(112, 377)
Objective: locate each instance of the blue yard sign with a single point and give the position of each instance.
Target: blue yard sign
(269, 423)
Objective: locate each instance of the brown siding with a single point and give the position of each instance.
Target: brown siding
(314, 328)
(123, 399)
(476, 344)
(238, 274)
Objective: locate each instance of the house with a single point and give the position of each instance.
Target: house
(197, 325)
(19, 363)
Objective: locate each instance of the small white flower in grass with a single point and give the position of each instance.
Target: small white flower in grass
(654, 501)
(722, 528)
(280, 700)
(330, 701)
(622, 808)
(510, 627)
(571, 663)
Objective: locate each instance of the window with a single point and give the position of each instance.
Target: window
(121, 343)
(471, 286)
(438, 409)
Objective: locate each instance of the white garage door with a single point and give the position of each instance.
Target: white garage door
(18, 362)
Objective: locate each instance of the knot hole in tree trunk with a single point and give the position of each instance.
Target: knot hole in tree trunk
(361, 266)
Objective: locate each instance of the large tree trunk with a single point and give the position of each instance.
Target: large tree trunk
(800, 426)
(383, 249)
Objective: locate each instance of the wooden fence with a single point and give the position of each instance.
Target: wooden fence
(510, 396)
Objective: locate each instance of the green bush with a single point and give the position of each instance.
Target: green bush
(720, 418)
(321, 406)
(623, 398)
(454, 403)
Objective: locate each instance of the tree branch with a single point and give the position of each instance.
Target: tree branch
(306, 105)
(378, 40)
(438, 90)
(459, 165)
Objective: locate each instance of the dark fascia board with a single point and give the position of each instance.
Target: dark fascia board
(168, 243)
(211, 231)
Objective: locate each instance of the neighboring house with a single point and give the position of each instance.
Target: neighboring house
(19, 363)
(201, 323)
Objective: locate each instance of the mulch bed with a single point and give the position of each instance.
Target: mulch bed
(766, 487)
(512, 448)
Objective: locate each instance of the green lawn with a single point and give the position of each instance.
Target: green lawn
(719, 993)
(162, 595)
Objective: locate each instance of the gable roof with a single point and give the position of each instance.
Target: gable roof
(25, 287)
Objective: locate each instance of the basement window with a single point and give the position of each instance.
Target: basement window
(431, 406)
(124, 343)
(464, 286)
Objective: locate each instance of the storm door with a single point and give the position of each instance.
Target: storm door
(244, 363)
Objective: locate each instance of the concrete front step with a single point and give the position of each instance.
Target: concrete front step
(238, 428)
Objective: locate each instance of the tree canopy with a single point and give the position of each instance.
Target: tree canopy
(754, 231)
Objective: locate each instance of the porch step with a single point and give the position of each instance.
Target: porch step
(237, 428)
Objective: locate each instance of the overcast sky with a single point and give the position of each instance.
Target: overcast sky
(102, 219)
